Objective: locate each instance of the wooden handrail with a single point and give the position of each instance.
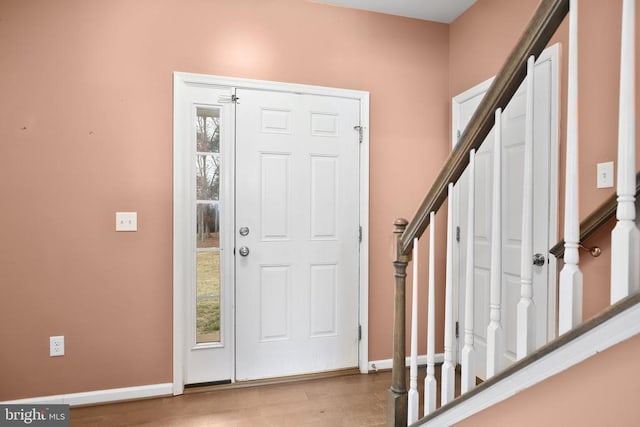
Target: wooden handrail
(599, 217)
(546, 19)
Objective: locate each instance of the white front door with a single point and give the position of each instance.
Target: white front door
(545, 195)
(296, 162)
(297, 221)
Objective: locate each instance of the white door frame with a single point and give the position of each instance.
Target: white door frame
(551, 53)
(181, 212)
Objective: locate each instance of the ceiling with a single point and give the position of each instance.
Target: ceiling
(431, 10)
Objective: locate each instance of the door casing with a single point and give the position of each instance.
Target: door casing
(181, 213)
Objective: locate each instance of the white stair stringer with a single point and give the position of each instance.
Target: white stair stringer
(610, 332)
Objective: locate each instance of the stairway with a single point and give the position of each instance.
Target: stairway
(577, 340)
(618, 323)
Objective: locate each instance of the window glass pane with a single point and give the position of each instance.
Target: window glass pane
(208, 297)
(207, 170)
(207, 177)
(208, 130)
(208, 321)
(208, 225)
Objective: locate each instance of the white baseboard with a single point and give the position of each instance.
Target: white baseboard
(100, 396)
(376, 365)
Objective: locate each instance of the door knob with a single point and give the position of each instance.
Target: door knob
(244, 231)
(244, 251)
(539, 260)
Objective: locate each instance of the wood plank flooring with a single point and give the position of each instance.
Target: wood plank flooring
(353, 400)
(350, 400)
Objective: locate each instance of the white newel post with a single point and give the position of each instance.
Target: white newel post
(495, 332)
(625, 252)
(430, 385)
(448, 368)
(526, 312)
(413, 397)
(570, 298)
(468, 352)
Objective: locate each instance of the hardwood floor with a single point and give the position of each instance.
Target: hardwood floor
(350, 400)
(353, 400)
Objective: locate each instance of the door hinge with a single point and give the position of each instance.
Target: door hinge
(360, 130)
(360, 234)
(457, 329)
(458, 234)
(359, 332)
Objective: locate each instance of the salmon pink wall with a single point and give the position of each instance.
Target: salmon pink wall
(601, 391)
(482, 37)
(86, 130)
(480, 40)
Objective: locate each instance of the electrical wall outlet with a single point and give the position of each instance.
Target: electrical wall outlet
(56, 346)
(605, 175)
(126, 221)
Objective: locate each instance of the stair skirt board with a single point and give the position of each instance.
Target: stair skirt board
(384, 364)
(610, 332)
(100, 396)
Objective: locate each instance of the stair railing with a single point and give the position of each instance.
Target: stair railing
(542, 26)
(625, 237)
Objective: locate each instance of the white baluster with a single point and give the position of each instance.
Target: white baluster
(468, 355)
(413, 397)
(448, 368)
(570, 295)
(625, 236)
(495, 332)
(430, 384)
(525, 334)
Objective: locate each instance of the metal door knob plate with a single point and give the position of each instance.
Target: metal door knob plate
(244, 251)
(539, 260)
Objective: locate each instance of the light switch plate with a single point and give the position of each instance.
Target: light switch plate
(126, 221)
(605, 175)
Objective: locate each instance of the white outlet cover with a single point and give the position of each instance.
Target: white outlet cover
(126, 221)
(56, 346)
(605, 175)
